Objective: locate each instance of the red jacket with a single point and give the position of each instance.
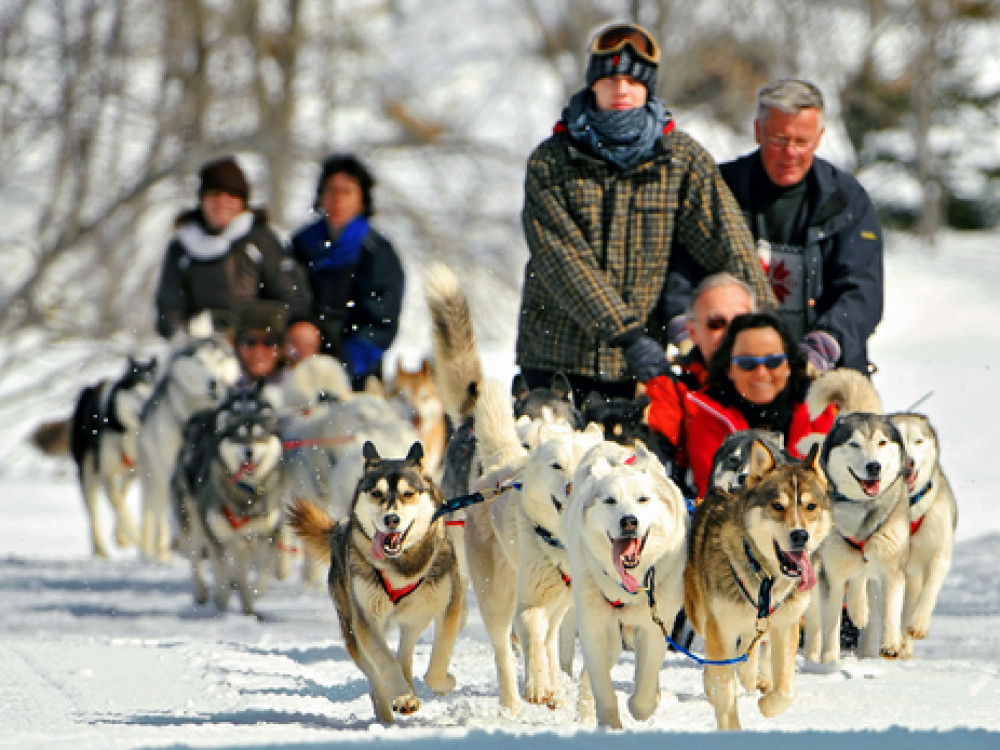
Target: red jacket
(708, 423)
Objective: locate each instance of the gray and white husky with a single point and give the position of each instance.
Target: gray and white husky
(865, 463)
(933, 516)
(197, 376)
(226, 491)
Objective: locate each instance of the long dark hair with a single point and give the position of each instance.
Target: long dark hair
(718, 367)
(350, 165)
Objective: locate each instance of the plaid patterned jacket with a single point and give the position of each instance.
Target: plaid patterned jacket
(599, 242)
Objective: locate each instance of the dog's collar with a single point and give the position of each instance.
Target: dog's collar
(548, 537)
(914, 499)
(565, 576)
(395, 594)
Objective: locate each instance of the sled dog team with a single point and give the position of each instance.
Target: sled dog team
(571, 535)
(565, 532)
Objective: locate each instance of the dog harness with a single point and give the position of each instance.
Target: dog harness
(763, 601)
(395, 594)
(915, 525)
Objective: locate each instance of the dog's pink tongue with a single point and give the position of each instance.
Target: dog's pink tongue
(870, 486)
(626, 548)
(808, 578)
(378, 548)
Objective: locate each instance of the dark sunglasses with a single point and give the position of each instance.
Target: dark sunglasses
(716, 322)
(749, 363)
(258, 341)
(615, 39)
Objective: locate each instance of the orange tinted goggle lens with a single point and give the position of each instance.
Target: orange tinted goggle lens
(615, 39)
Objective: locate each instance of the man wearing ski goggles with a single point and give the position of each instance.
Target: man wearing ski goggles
(607, 196)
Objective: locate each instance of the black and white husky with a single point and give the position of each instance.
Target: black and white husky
(100, 436)
(226, 491)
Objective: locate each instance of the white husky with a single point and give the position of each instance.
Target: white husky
(933, 516)
(516, 556)
(197, 376)
(625, 528)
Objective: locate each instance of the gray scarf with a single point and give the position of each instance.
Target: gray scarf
(623, 137)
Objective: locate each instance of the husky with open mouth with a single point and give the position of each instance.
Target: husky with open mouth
(625, 529)
(933, 516)
(749, 572)
(864, 459)
(391, 564)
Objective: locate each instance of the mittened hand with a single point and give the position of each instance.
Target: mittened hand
(646, 358)
(821, 350)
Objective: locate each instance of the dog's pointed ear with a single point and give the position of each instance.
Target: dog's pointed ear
(416, 454)
(811, 462)
(595, 429)
(761, 463)
(370, 453)
(519, 387)
(425, 366)
(399, 367)
(561, 387)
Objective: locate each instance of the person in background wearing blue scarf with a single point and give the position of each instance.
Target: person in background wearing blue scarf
(606, 198)
(354, 273)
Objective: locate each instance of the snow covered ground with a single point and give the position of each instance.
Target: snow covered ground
(114, 654)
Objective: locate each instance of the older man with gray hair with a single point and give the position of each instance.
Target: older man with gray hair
(815, 227)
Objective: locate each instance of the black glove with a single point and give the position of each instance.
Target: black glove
(646, 358)
(821, 350)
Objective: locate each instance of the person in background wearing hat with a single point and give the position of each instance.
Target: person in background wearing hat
(606, 197)
(223, 255)
(260, 332)
(354, 274)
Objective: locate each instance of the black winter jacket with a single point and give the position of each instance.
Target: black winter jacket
(844, 279)
(255, 266)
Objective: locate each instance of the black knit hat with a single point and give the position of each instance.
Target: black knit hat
(615, 50)
(225, 176)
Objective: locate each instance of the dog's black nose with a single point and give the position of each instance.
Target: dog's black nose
(799, 538)
(874, 468)
(391, 521)
(629, 525)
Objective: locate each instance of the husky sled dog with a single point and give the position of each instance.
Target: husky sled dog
(625, 529)
(865, 462)
(933, 516)
(227, 494)
(418, 389)
(100, 435)
(731, 462)
(514, 544)
(314, 380)
(749, 571)
(552, 404)
(390, 565)
(864, 459)
(197, 376)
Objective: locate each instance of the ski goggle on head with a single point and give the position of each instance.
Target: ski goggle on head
(614, 38)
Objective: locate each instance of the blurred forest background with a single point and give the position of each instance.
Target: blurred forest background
(108, 107)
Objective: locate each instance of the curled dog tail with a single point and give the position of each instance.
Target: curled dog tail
(846, 388)
(458, 368)
(313, 525)
(496, 431)
(52, 438)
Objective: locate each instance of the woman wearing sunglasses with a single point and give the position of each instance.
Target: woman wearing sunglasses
(607, 196)
(756, 379)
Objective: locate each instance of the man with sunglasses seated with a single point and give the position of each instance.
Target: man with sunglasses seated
(606, 197)
(756, 380)
(718, 299)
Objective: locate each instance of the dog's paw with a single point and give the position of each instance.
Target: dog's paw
(643, 710)
(773, 704)
(918, 631)
(405, 704)
(441, 686)
(609, 718)
(536, 691)
(890, 651)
